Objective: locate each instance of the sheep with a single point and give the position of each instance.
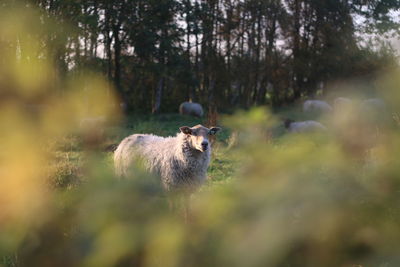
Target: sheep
(181, 161)
(191, 108)
(303, 126)
(316, 105)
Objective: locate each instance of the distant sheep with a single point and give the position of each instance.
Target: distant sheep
(191, 108)
(180, 161)
(303, 126)
(316, 105)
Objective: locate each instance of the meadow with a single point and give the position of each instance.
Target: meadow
(70, 152)
(70, 149)
(272, 198)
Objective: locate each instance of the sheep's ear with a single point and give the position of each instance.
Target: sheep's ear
(185, 130)
(214, 130)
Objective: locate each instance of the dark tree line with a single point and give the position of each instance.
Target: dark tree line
(228, 53)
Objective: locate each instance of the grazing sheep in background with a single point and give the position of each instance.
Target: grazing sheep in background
(180, 161)
(342, 102)
(191, 108)
(316, 105)
(303, 126)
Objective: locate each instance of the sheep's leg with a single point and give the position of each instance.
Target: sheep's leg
(174, 201)
(180, 203)
(171, 203)
(171, 198)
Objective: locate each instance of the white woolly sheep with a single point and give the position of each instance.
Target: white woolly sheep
(303, 126)
(191, 108)
(316, 105)
(181, 161)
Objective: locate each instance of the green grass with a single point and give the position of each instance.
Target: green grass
(9, 261)
(257, 185)
(65, 170)
(66, 167)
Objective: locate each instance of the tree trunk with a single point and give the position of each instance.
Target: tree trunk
(157, 96)
(297, 79)
(117, 60)
(257, 82)
(189, 84)
(108, 44)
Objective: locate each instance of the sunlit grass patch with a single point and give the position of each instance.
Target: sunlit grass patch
(65, 170)
(223, 165)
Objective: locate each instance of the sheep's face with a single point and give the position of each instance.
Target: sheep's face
(198, 136)
(287, 123)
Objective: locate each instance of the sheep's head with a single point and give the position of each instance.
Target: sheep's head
(198, 136)
(287, 123)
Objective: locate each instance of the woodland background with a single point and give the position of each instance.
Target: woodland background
(224, 53)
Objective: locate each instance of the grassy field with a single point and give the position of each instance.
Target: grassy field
(300, 200)
(68, 159)
(65, 170)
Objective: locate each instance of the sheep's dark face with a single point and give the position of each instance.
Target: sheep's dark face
(287, 123)
(198, 136)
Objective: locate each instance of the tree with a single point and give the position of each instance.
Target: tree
(225, 53)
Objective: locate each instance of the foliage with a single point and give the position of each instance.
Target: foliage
(230, 53)
(272, 199)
